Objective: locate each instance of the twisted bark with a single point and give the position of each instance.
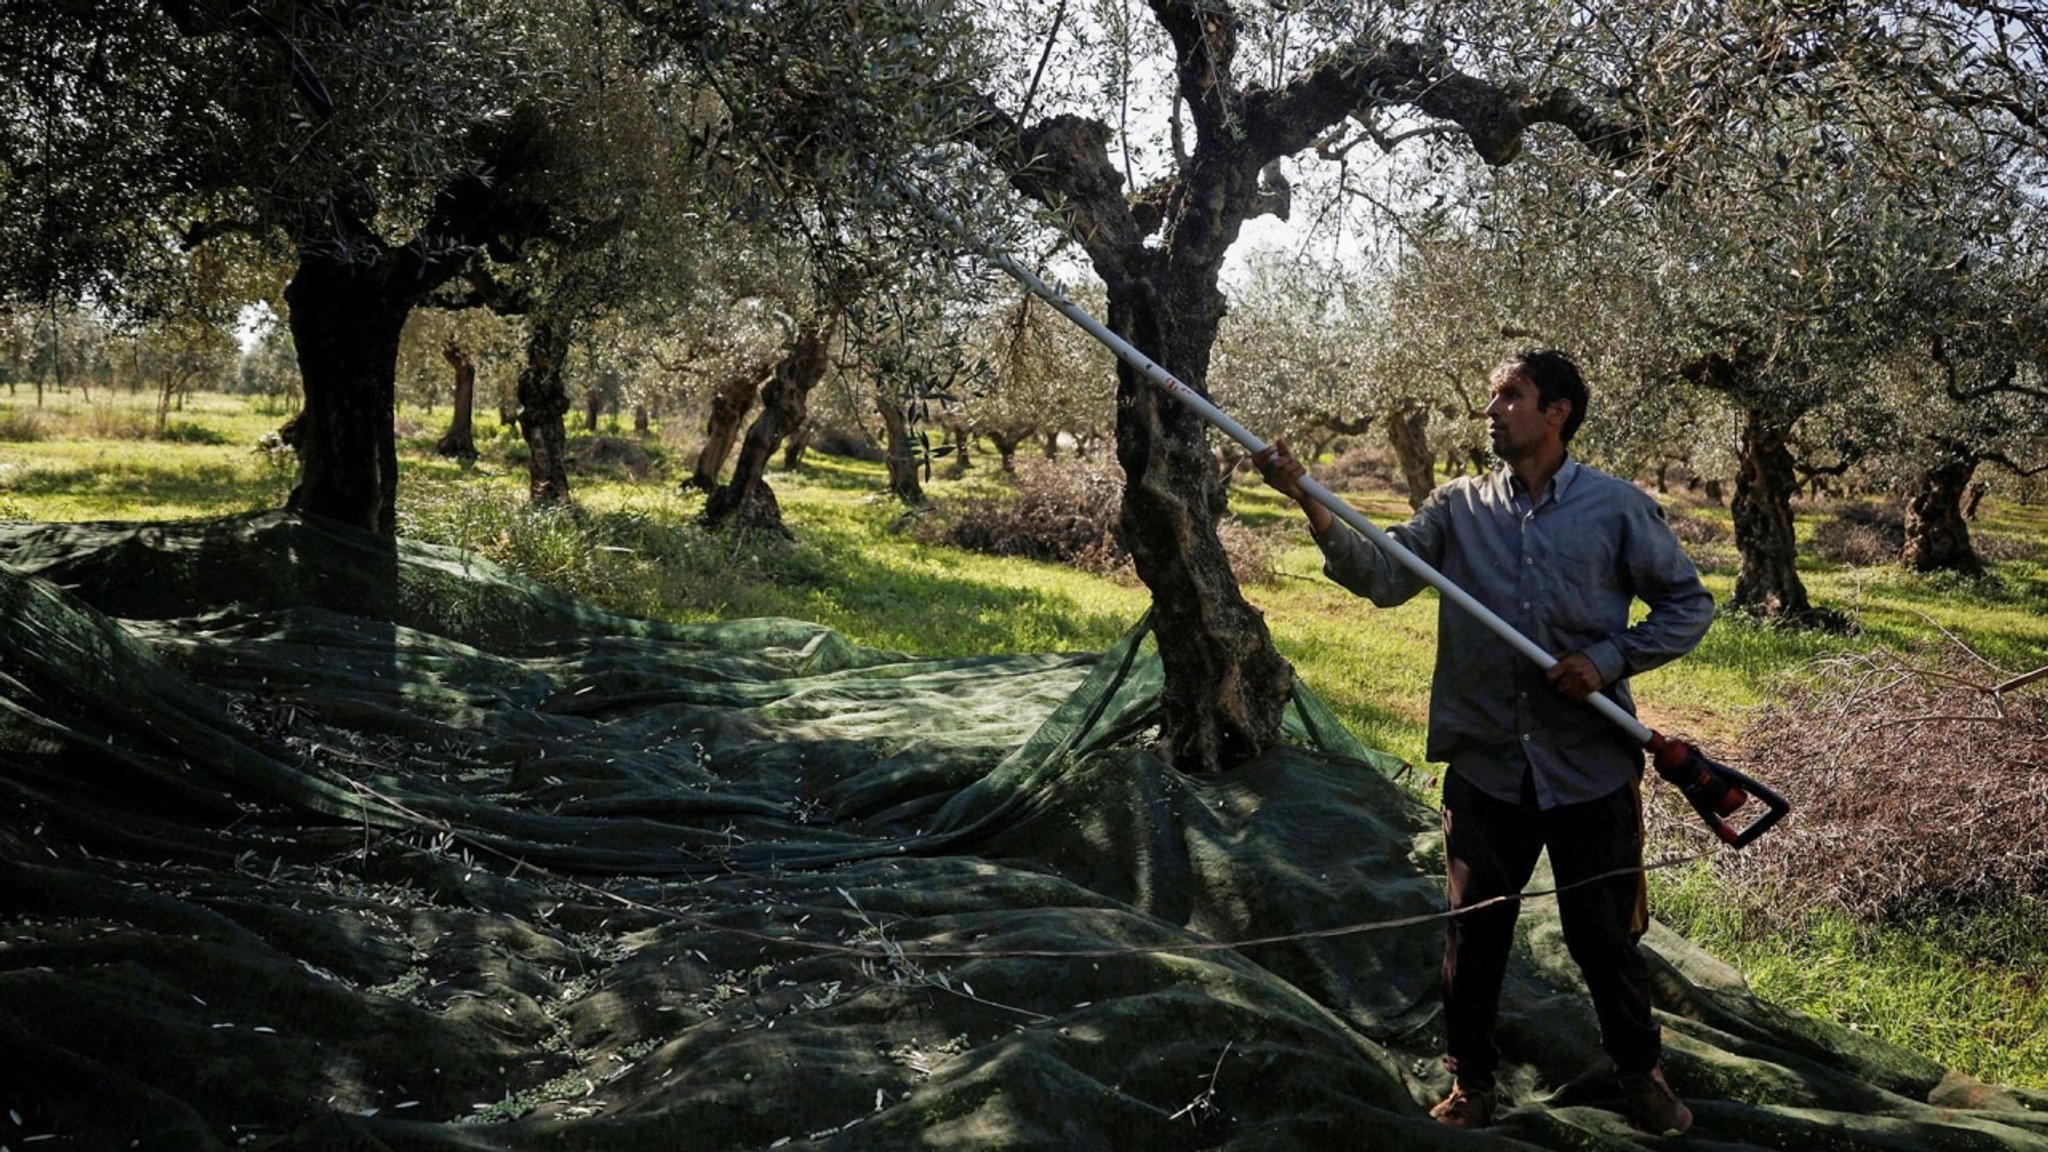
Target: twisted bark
(746, 499)
(1937, 532)
(1768, 584)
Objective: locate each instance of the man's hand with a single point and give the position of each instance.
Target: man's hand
(1281, 471)
(1573, 677)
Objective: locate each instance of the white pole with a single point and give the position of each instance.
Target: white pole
(1343, 511)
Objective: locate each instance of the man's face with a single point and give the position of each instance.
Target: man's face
(1518, 421)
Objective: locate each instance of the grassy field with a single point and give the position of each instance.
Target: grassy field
(1962, 988)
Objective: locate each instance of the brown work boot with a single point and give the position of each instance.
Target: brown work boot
(1652, 1106)
(1465, 1107)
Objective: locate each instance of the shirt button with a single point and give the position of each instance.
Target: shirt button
(1528, 560)
(1525, 605)
(1525, 737)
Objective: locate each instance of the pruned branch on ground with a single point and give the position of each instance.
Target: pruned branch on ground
(1917, 779)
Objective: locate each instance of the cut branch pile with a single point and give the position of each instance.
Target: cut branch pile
(1917, 780)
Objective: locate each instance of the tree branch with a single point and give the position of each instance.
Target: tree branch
(1204, 35)
(1330, 148)
(1064, 164)
(2007, 463)
(1367, 75)
(2007, 381)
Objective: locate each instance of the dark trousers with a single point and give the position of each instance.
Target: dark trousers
(1491, 847)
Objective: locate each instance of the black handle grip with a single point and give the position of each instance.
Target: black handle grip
(1715, 790)
(1775, 808)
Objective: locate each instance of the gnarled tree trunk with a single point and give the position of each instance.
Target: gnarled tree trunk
(1937, 534)
(746, 499)
(459, 441)
(346, 317)
(905, 458)
(1226, 685)
(958, 439)
(1768, 584)
(1408, 436)
(795, 444)
(543, 403)
(1007, 440)
(729, 404)
(349, 298)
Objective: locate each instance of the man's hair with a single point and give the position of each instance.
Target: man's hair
(1555, 377)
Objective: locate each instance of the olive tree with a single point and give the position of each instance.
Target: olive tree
(1792, 252)
(1979, 398)
(1244, 92)
(1297, 354)
(1046, 379)
(377, 148)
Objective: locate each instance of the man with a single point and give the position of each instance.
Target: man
(1559, 551)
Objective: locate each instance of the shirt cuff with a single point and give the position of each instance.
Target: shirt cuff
(1606, 656)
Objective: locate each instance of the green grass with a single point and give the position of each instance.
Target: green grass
(100, 459)
(1960, 987)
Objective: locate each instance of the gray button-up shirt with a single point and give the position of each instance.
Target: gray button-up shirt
(1563, 570)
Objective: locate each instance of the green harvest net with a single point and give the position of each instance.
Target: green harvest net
(320, 841)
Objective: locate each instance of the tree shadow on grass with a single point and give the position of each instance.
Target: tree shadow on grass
(838, 472)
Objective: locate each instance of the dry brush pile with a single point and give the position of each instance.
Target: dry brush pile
(1918, 780)
(1066, 512)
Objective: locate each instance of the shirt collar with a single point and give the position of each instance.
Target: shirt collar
(1560, 482)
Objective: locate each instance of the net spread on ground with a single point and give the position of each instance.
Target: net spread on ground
(319, 840)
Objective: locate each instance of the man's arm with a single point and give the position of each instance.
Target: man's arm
(1663, 577)
(1349, 558)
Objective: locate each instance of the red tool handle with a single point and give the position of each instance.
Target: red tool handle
(1715, 790)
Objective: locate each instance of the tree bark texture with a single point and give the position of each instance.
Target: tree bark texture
(459, 442)
(346, 317)
(1937, 534)
(796, 443)
(746, 500)
(543, 405)
(1408, 436)
(730, 401)
(1768, 584)
(904, 460)
(1973, 498)
(1227, 684)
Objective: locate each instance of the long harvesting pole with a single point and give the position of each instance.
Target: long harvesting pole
(1714, 789)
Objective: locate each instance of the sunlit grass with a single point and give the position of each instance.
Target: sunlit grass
(1963, 987)
(99, 458)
